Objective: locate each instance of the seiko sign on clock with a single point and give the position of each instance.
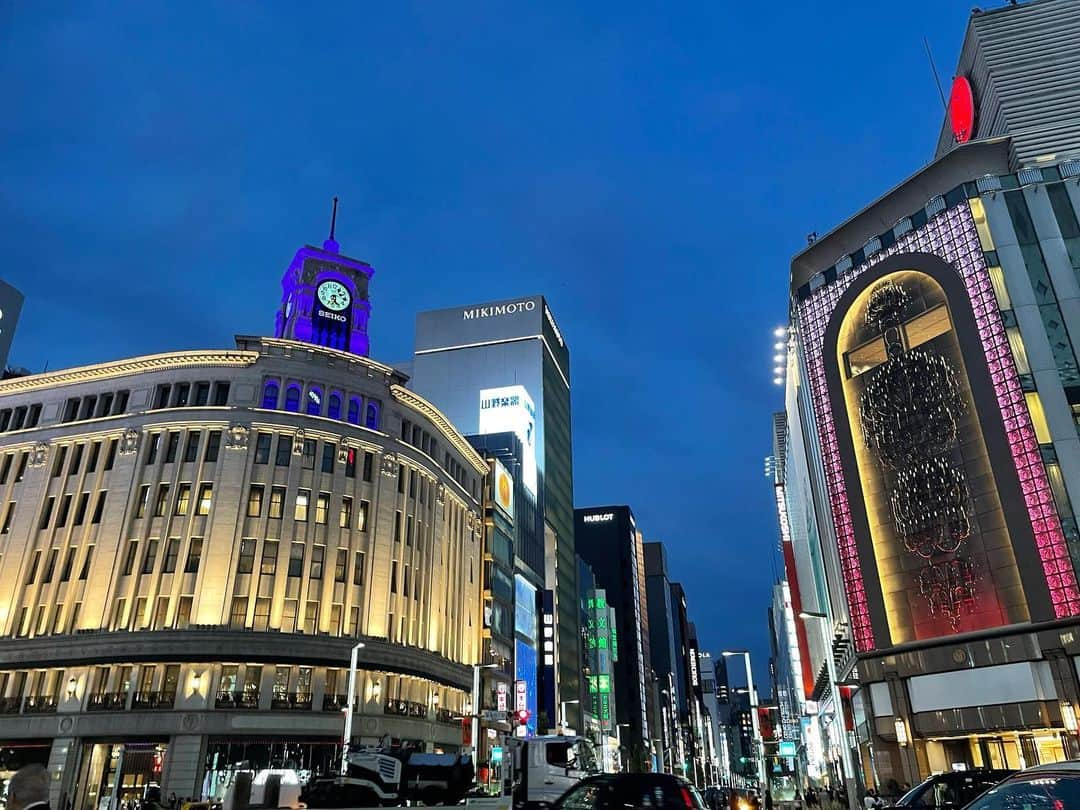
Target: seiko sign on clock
(332, 304)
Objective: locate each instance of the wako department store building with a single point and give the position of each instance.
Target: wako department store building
(193, 542)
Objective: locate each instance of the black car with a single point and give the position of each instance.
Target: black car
(1044, 787)
(951, 791)
(631, 790)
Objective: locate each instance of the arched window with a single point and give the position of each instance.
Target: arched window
(314, 401)
(292, 398)
(354, 410)
(270, 394)
(334, 408)
(372, 416)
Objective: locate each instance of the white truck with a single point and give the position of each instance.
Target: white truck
(541, 769)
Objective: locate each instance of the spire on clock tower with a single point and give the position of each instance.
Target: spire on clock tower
(325, 297)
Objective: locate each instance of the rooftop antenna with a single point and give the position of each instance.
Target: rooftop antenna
(937, 79)
(331, 245)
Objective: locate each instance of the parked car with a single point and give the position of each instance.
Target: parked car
(1044, 787)
(951, 791)
(652, 790)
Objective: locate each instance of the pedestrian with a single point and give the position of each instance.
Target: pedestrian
(28, 788)
(768, 800)
(812, 798)
(871, 801)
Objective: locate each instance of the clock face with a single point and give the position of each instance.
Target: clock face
(334, 295)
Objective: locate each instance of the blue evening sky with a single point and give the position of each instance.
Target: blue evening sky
(651, 168)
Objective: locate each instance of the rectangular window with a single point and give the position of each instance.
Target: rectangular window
(162, 500)
(213, 445)
(288, 616)
(329, 450)
(99, 508)
(50, 566)
(393, 577)
(322, 506)
(161, 614)
(191, 448)
(58, 461)
(206, 498)
(317, 555)
(405, 581)
(335, 626)
(268, 566)
(161, 396)
(1038, 417)
(238, 613)
(19, 473)
(412, 483)
(183, 394)
(401, 478)
(202, 394)
(46, 513)
(309, 454)
(69, 561)
(341, 565)
(183, 613)
(119, 615)
(85, 572)
(194, 556)
(408, 530)
(255, 499)
(284, 450)
(171, 446)
(262, 614)
(296, 560)
(369, 463)
(345, 518)
(354, 621)
(262, 448)
(172, 552)
(5, 468)
(65, 507)
(110, 456)
(76, 459)
(80, 509)
(358, 568)
(132, 555)
(350, 463)
(142, 501)
(221, 394)
(362, 517)
(303, 497)
(151, 556)
(9, 515)
(311, 617)
(183, 499)
(246, 561)
(91, 462)
(277, 502)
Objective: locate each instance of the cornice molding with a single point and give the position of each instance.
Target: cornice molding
(230, 358)
(421, 405)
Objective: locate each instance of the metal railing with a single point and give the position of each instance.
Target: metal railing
(10, 705)
(107, 702)
(39, 704)
(237, 700)
(291, 700)
(405, 708)
(337, 703)
(153, 700)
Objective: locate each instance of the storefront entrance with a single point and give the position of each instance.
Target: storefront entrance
(118, 775)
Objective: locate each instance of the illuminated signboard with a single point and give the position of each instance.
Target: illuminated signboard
(503, 489)
(601, 517)
(962, 110)
(510, 409)
(787, 748)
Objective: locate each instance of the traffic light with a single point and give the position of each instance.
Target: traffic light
(522, 716)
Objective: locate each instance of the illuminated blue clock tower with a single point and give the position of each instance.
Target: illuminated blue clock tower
(325, 298)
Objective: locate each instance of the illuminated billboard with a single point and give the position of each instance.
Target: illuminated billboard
(943, 513)
(510, 409)
(503, 489)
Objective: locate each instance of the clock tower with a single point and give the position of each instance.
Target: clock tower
(325, 298)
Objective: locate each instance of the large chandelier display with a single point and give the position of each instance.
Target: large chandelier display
(908, 411)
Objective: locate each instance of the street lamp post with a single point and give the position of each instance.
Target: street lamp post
(846, 761)
(349, 708)
(759, 754)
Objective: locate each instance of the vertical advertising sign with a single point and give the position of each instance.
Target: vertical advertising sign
(547, 666)
(510, 409)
